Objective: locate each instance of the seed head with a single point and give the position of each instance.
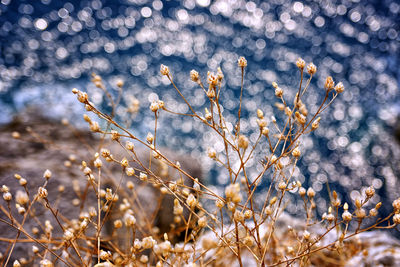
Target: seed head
(21, 197)
(262, 123)
(248, 214)
(306, 235)
(296, 152)
(94, 126)
(212, 79)
(373, 212)
(46, 263)
(129, 145)
(219, 203)
(238, 216)
(130, 220)
(150, 138)
(208, 115)
(82, 97)
(114, 135)
(282, 186)
(164, 70)
(302, 191)
(311, 69)
(260, 114)
(243, 142)
(329, 83)
(191, 201)
(265, 131)
(154, 106)
(178, 209)
(98, 163)
(212, 153)
(23, 181)
(300, 63)
(194, 76)
(68, 234)
(143, 177)
(361, 213)
(370, 192)
(310, 192)
(339, 88)
(148, 242)
(42, 192)
(120, 83)
(242, 62)
(278, 92)
(7, 196)
(346, 216)
(202, 222)
(130, 171)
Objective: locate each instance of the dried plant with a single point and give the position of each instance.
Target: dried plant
(116, 227)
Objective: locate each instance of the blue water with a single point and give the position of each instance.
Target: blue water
(48, 47)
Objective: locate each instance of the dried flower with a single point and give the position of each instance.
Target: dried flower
(42, 192)
(164, 70)
(311, 69)
(243, 142)
(242, 62)
(329, 83)
(202, 222)
(300, 63)
(191, 201)
(339, 88)
(238, 216)
(370, 192)
(21, 197)
(194, 76)
(212, 153)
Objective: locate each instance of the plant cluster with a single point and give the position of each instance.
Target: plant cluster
(235, 228)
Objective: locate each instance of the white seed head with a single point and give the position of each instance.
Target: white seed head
(243, 142)
(310, 192)
(370, 191)
(202, 222)
(47, 174)
(154, 106)
(242, 62)
(194, 76)
(346, 216)
(300, 63)
(46, 263)
(164, 70)
(329, 83)
(143, 177)
(248, 214)
(212, 153)
(130, 171)
(114, 135)
(21, 197)
(191, 201)
(42, 192)
(278, 92)
(238, 216)
(311, 69)
(68, 234)
(339, 88)
(148, 242)
(7, 196)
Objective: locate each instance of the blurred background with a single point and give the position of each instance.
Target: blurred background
(48, 47)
